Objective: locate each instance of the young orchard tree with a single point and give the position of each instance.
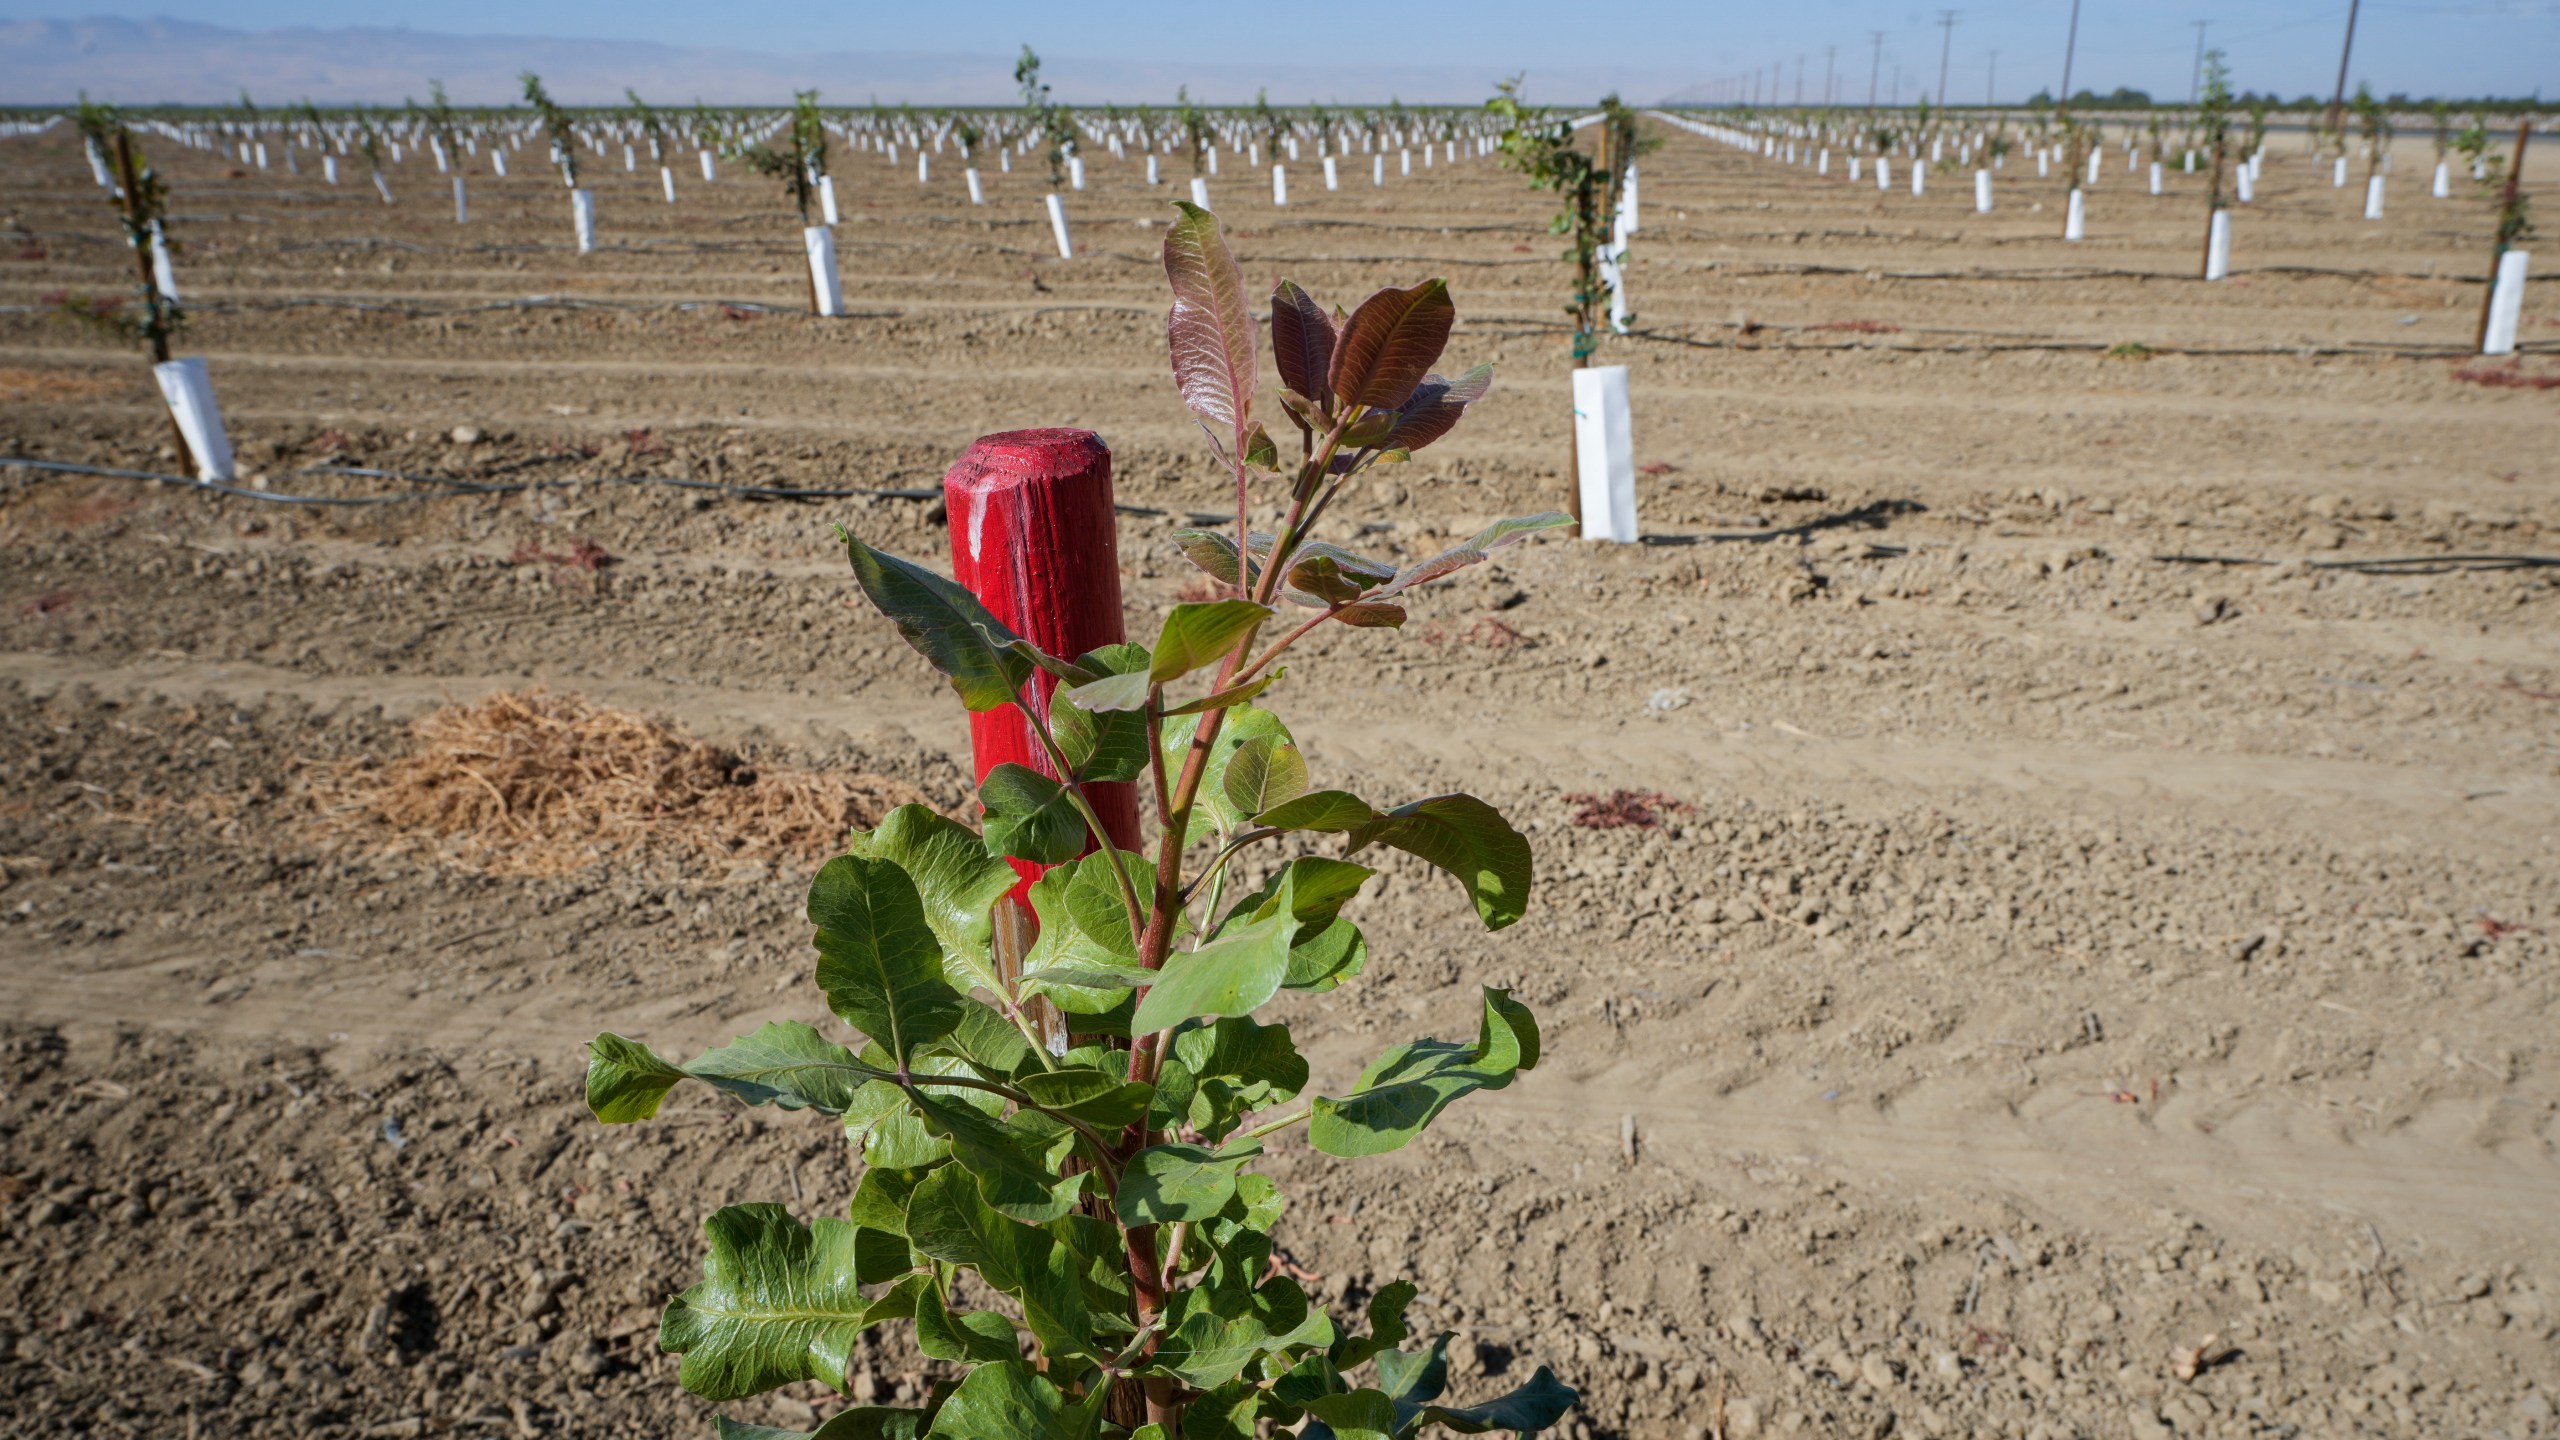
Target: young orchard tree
(799, 162)
(557, 124)
(1047, 119)
(2213, 115)
(2514, 225)
(1538, 144)
(2258, 110)
(1103, 1191)
(2374, 119)
(651, 126)
(369, 145)
(1195, 129)
(440, 122)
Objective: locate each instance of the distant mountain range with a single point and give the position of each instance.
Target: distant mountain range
(184, 62)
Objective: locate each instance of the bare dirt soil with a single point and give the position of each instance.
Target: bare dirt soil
(2100, 899)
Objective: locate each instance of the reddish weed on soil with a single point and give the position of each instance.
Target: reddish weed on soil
(1625, 810)
(2510, 376)
(582, 554)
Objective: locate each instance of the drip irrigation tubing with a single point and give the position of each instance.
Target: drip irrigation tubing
(442, 487)
(1517, 328)
(2390, 565)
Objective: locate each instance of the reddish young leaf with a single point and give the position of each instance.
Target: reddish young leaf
(1437, 405)
(1302, 340)
(1210, 328)
(1389, 343)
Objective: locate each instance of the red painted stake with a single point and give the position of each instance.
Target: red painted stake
(1034, 538)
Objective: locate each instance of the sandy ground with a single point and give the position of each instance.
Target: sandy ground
(2101, 906)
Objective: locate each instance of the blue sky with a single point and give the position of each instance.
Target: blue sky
(2420, 46)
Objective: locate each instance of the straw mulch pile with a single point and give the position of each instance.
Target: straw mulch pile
(531, 783)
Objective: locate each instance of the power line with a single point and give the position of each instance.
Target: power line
(2069, 47)
(2195, 83)
(1947, 22)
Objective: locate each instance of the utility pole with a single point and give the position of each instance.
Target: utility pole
(1875, 71)
(2195, 86)
(1799, 82)
(1991, 86)
(1947, 22)
(2338, 100)
(1830, 64)
(2062, 102)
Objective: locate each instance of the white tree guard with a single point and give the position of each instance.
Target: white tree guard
(2506, 304)
(189, 391)
(582, 213)
(1058, 225)
(1604, 454)
(2217, 247)
(824, 283)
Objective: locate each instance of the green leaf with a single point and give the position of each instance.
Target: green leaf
(785, 1063)
(626, 1080)
(881, 1256)
(1228, 698)
(1012, 1401)
(1210, 812)
(955, 878)
(1232, 975)
(1356, 1415)
(1390, 343)
(1466, 837)
(1086, 959)
(1214, 552)
(1011, 1161)
(1233, 1067)
(1100, 1099)
(1327, 949)
(1414, 1378)
(1031, 816)
(1405, 1089)
(1259, 452)
(1104, 743)
(877, 959)
(1302, 339)
(1266, 771)
(1218, 1329)
(1112, 693)
(1531, 1408)
(976, 1337)
(1386, 1326)
(986, 1041)
(1324, 810)
(984, 659)
(1162, 1184)
(1202, 633)
(1256, 1059)
(880, 1196)
(949, 1220)
(861, 1422)
(1474, 551)
(1210, 328)
(777, 1303)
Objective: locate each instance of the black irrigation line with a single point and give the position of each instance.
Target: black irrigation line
(2392, 565)
(2080, 272)
(1513, 327)
(442, 487)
